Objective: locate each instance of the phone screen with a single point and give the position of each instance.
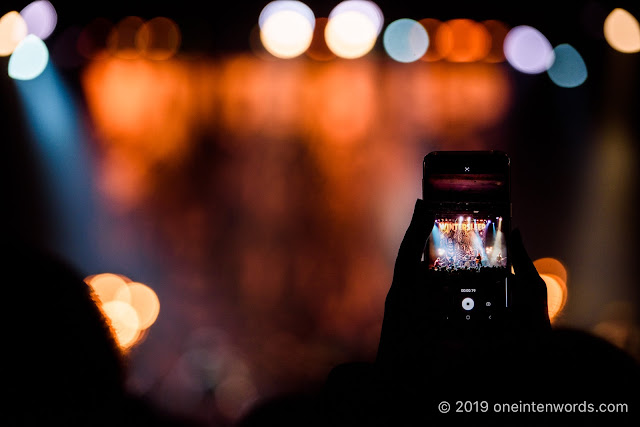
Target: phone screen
(467, 249)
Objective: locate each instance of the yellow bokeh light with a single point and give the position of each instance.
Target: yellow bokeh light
(351, 34)
(143, 300)
(556, 294)
(551, 266)
(124, 321)
(106, 286)
(13, 29)
(554, 274)
(622, 31)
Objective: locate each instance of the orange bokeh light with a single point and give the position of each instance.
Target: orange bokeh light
(158, 38)
(554, 273)
(150, 114)
(106, 286)
(497, 31)
(130, 307)
(551, 266)
(143, 300)
(124, 322)
(469, 41)
(556, 295)
(440, 39)
(122, 38)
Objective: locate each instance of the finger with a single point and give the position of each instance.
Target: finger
(535, 292)
(415, 238)
(522, 264)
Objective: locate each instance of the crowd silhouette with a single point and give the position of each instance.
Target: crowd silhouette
(65, 368)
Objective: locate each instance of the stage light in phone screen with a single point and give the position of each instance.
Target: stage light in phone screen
(286, 28)
(41, 18)
(622, 31)
(353, 28)
(405, 40)
(568, 69)
(13, 29)
(528, 50)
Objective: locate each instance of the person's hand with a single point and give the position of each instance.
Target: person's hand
(406, 326)
(529, 315)
(413, 337)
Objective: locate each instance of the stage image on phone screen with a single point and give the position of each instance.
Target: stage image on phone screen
(468, 194)
(467, 242)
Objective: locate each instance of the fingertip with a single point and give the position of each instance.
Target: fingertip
(521, 261)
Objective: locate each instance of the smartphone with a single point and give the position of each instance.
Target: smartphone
(467, 252)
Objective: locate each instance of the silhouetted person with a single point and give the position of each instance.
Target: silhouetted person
(422, 361)
(64, 366)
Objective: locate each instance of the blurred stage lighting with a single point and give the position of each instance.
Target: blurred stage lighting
(528, 50)
(469, 41)
(318, 49)
(556, 295)
(158, 38)
(130, 307)
(353, 28)
(440, 39)
(286, 28)
(622, 31)
(121, 41)
(405, 40)
(554, 274)
(13, 29)
(41, 18)
(568, 69)
(29, 59)
(498, 32)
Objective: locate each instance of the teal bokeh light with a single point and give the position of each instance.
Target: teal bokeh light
(405, 40)
(568, 69)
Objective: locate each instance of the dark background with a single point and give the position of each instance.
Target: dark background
(574, 155)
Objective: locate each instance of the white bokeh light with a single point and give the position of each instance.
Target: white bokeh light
(528, 50)
(286, 28)
(353, 28)
(29, 59)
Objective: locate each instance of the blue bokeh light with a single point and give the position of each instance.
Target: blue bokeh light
(568, 69)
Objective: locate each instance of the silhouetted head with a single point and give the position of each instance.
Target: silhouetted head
(64, 363)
